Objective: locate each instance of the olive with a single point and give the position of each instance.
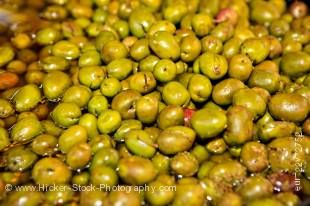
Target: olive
(208, 123)
(280, 107)
(50, 171)
(136, 170)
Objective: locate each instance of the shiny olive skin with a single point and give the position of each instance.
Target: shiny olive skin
(256, 49)
(139, 143)
(27, 98)
(79, 95)
(89, 122)
(103, 175)
(164, 45)
(91, 76)
(165, 70)
(211, 43)
(78, 155)
(223, 91)
(66, 114)
(265, 79)
(289, 107)
(208, 123)
(109, 121)
(254, 156)
(140, 21)
(105, 156)
(26, 129)
(147, 109)
(295, 64)
(136, 170)
(143, 82)
(191, 194)
(175, 93)
(54, 84)
(190, 48)
(212, 65)
(239, 126)
(256, 187)
(97, 104)
(50, 171)
(124, 102)
(120, 68)
(44, 144)
(20, 159)
(175, 139)
(113, 50)
(199, 87)
(251, 100)
(170, 116)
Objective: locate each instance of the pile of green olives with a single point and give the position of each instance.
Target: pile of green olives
(199, 102)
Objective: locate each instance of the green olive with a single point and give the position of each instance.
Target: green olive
(120, 68)
(256, 187)
(254, 156)
(26, 129)
(109, 121)
(20, 159)
(136, 170)
(72, 136)
(164, 45)
(91, 76)
(175, 139)
(55, 84)
(199, 87)
(212, 65)
(184, 164)
(66, 114)
(80, 95)
(143, 82)
(208, 123)
(175, 93)
(280, 107)
(51, 171)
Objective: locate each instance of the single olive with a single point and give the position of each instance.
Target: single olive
(66, 114)
(289, 107)
(113, 50)
(109, 121)
(89, 122)
(254, 156)
(78, 94)
(26, 129)
(199, 87)
(105, 156)
(212, 65)
(251, 100)
(61, 195)
(20, 158)
(239, 125)
(171, 115)
(91, 76)
(50, 171)
(44, 144)
(164, 45)
(55, 84)
(136, 170)
(125, 127)
(78, 155)
(143, 82)
(175, 139)
(184, 164)
(120, 68)
(276, 129)
(124, 102)
(208, 123)
(191, 194)
(174, 93)
(256, 187)
(147, 109)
